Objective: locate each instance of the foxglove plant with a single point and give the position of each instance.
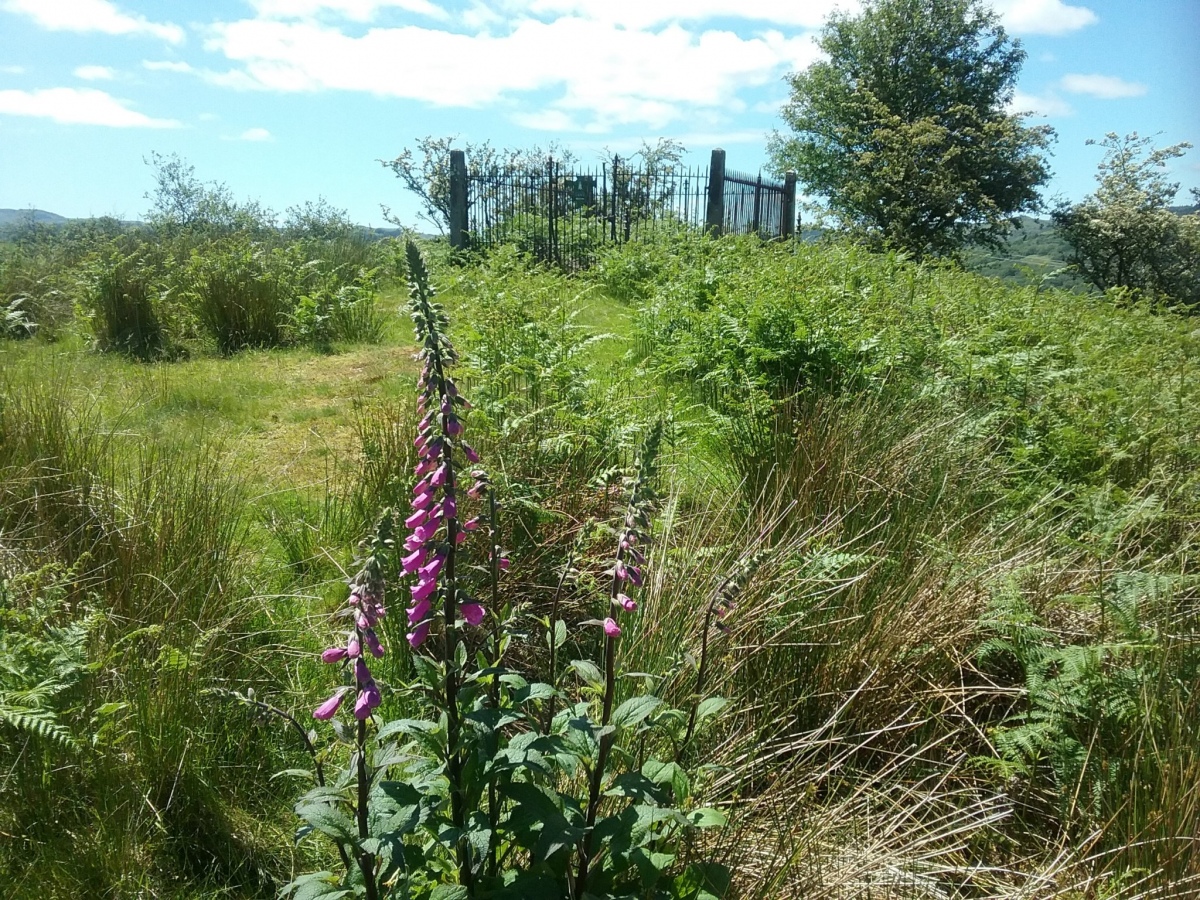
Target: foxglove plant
(489, 792)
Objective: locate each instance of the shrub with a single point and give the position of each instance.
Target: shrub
(244, 293)
(124, 305)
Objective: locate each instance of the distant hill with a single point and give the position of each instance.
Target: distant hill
(39, 216)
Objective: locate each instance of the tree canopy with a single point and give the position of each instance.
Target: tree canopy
(904, 128)
(1125, 234)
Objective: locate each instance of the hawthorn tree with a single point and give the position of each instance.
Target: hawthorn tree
(1125, 234)
(905, 131)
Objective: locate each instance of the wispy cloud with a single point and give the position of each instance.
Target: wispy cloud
(12, 70)
(1051, 17)
(603, 74)
(255, 134)
(78, 106)
(95, 73)
(355, 10)
(1102, 87)
(649, 13)
(1042, 105)
(91, 15)
(165, 65)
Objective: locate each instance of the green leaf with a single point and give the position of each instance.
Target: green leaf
(671, 774)
(315, 886)
(701, 881)
(710, 706)
(588, 671)
(706, 818)
(449, 892)
(560, 633)
(329, 821)
(634, 710)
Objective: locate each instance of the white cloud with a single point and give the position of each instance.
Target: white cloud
(78, 106)
(612, 74)
(705, 139)
(1103, 87)
(95, 73)
(165, 65)
(1043, 105)
(12, 70)
(1051, 17)
(91, 15)
(355, 10)
(255, 134)
(639, 14)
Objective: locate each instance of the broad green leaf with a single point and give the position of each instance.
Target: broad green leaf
(329, 821)
(706, 818)
(412, 727)
(315, 886)
(449, 892)
(588, 671)
(671, 774)
(710, 706)
(634, 710)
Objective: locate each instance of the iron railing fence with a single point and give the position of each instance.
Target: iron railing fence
(565, 215)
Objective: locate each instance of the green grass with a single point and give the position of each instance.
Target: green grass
(934, 483)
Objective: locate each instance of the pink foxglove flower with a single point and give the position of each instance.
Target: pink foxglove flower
(417, 636)
(430, 570)
(372, 642)
(418, 611)
(611, 628)
(326, 710)
(413, 561)
(333, 654)
(354, 648)
(362, 706)
(423, 589)
(472, 612)
(627, 603)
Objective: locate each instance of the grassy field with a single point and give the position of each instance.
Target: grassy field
(964, 517)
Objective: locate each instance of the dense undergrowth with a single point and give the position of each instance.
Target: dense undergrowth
(950, 527)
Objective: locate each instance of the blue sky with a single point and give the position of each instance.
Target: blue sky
(285, 100)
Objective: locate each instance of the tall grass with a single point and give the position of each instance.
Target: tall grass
(123, 301)
(157, 781)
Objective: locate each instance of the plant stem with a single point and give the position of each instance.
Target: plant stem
(606, 740)
(454, 761)
(366, 861)
(552, 673)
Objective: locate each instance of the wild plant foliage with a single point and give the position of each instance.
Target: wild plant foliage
(500, 785)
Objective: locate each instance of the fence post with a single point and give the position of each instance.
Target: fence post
(714, 218)
(613, 215)
(458, 199)
(756, 223)
(787, 222)
(552, 223)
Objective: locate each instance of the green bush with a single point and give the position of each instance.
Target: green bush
(243, 293)
(124, 304)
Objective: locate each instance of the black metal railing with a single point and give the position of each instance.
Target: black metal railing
(563, 216)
